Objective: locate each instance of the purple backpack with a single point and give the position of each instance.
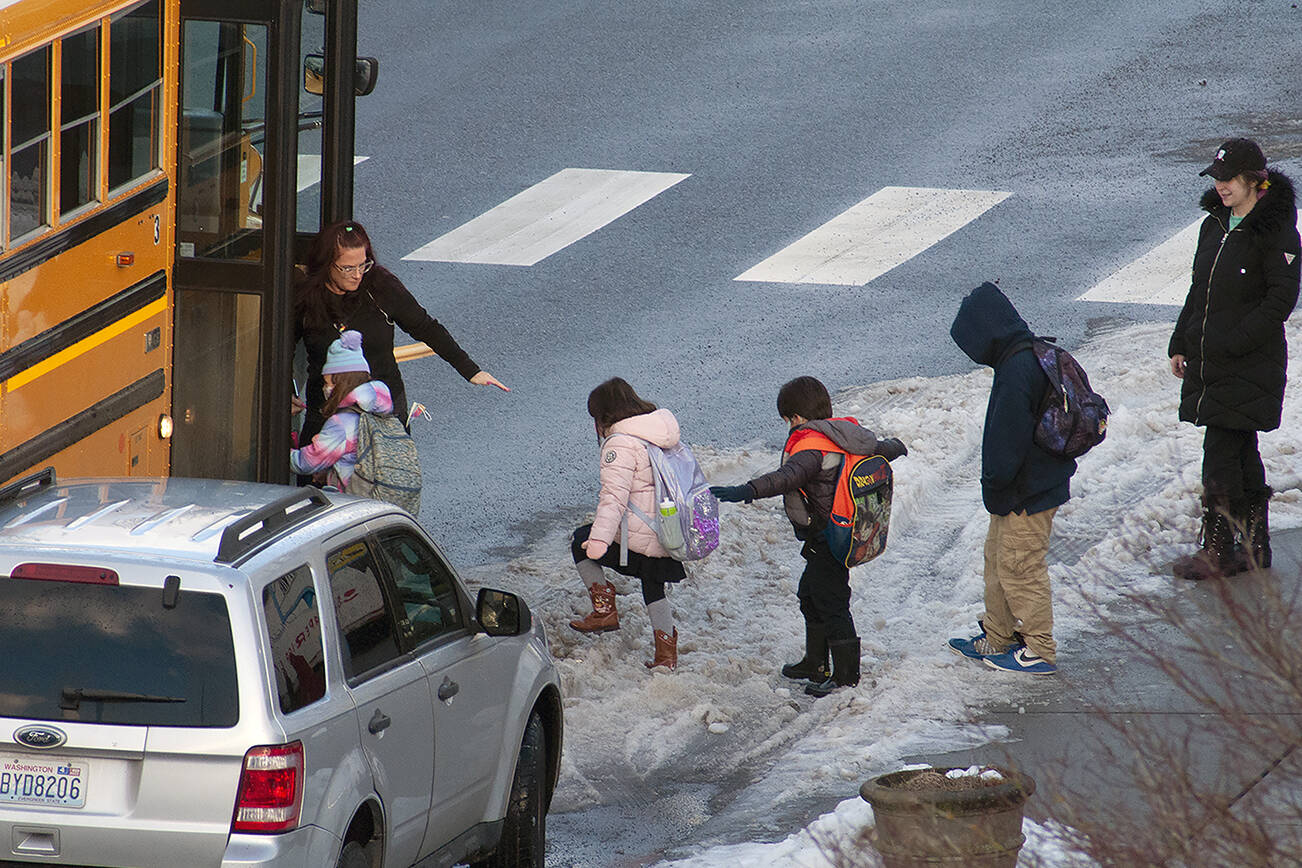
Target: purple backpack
(1073, 417)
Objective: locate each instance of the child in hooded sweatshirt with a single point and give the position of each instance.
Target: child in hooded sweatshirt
(807, 481)
(332, 454)
(625, 423)
(1022, 486)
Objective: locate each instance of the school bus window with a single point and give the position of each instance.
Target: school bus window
(223, 134)
(135, 88)
(79, 121)
(29, 138)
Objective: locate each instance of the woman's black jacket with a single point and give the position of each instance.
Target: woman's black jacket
(372, 309)
(1231, 329)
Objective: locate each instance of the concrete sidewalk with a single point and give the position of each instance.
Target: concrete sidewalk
(1084, 734)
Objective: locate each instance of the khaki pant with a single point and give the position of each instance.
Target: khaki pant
(1018, 597)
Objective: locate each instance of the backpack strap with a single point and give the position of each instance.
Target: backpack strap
(623, 522)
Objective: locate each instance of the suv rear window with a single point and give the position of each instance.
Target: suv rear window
(113, 654)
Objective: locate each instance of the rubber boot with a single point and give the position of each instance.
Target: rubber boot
(813, 666)
(603, 618)
(666, 650)
(1217, 557)
(845, 667)
(1256, 529)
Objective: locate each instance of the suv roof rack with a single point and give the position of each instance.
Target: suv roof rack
(272, 521)
(30, 483)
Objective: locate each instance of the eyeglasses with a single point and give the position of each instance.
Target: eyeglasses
(350, 270)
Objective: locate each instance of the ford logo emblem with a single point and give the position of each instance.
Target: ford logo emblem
(40, 737)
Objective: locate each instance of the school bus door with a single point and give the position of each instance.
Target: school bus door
(236, 165)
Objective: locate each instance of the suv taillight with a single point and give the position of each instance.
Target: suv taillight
(271, 789)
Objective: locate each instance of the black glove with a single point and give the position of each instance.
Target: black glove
(891, 448)
(733, 493)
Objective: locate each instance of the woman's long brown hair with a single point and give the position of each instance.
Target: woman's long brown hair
(311, 295)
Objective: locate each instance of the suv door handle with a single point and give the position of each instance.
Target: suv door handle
(379, 722)
(448, 689)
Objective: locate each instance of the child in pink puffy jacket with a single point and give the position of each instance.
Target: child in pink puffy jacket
(625, 422)
(332, 454)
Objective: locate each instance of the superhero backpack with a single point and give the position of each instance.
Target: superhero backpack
(861, 507)
(1073, 417)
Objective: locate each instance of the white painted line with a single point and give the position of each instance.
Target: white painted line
(547, 217)
(1160, 276)
(309, 169)
(888, 228)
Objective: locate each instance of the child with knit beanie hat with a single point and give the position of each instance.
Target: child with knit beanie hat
(332, 454)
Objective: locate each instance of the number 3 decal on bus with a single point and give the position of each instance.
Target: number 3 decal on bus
(156, 230)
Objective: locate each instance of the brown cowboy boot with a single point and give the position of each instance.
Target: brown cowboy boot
(666, 650)
(603, 618)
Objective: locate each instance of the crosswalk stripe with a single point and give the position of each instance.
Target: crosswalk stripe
(547, 217)
(870, 238)
(309, 169)
(1160, 276)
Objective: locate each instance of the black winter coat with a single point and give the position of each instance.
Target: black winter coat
(1231, 329)
(372, 309)
(1016, 474)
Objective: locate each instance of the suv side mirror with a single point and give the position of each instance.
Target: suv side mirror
(501, 613)
(364, 76)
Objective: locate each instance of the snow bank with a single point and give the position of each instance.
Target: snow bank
(727, 718)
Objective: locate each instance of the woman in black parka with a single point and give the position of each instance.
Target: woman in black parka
(1229, 348)
(344, 288)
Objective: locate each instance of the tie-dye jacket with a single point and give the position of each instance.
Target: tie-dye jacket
(334, 448)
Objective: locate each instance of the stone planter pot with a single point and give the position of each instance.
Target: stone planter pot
(966, 822)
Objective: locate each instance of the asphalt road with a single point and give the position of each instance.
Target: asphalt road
(1095, 116)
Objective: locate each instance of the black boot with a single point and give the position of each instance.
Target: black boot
(845, 667)
(813, 667)
(1256, 529)
(1217, 558)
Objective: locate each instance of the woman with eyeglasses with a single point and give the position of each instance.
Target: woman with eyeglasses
(343, 289)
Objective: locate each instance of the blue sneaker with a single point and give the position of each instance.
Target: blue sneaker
(1020, 659)
(976, 648)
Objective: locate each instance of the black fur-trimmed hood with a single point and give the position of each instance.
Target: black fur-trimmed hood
(1275, 211)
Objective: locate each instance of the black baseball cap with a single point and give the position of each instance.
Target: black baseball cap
(1234, 158)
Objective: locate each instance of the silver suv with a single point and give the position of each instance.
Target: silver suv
(207, 673)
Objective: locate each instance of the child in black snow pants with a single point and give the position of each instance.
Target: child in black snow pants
(807, 481)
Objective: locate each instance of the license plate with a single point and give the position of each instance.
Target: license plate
(43, 781)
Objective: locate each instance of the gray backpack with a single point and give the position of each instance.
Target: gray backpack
(388, 466)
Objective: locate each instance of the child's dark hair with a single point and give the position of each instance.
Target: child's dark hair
(804, 396)
(615, 400)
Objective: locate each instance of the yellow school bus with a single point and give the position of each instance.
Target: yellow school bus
(162, 162)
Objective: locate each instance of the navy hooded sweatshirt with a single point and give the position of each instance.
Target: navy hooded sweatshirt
(1016, 474)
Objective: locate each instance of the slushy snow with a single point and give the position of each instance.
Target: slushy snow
(727, 724)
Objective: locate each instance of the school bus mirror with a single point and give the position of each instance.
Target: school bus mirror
(368, 71)
(314, 74)
(364, 77)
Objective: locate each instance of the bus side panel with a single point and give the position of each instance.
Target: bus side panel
(100, 331)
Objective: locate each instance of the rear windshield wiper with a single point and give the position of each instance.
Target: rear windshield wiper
(72, 697)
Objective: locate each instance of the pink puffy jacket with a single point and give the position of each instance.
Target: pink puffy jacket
(626, 476)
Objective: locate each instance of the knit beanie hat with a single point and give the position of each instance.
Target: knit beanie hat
(345, 355)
